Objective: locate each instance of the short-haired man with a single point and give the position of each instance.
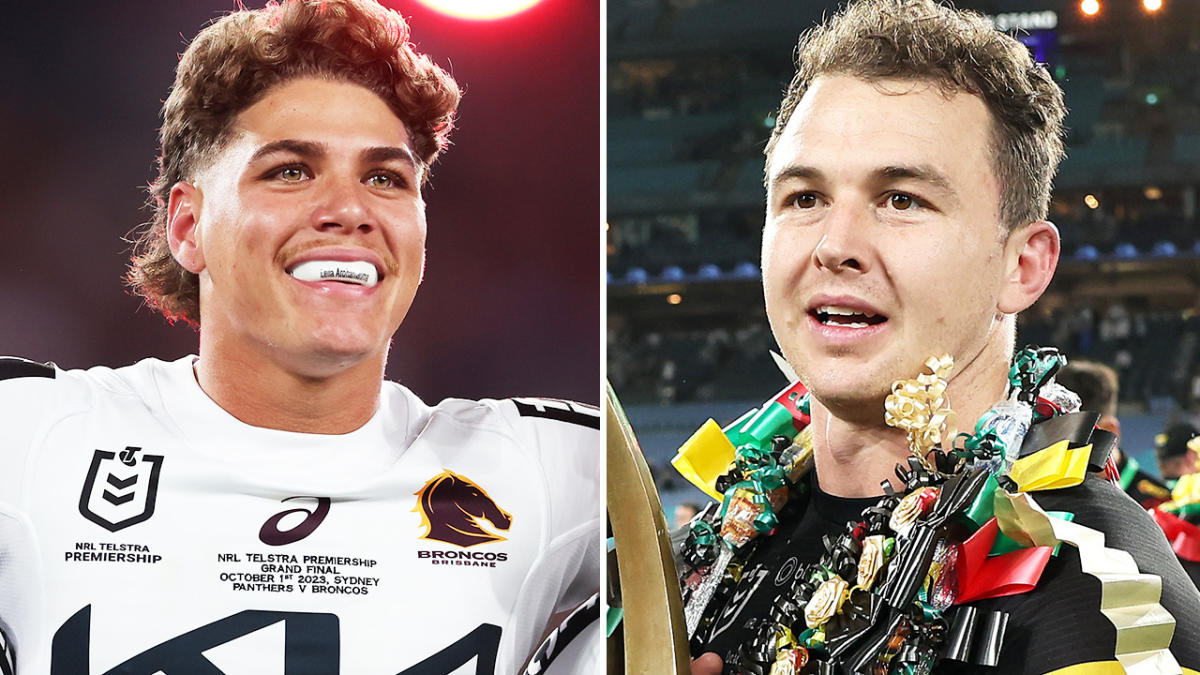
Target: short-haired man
(908, 178)
(273, 505)
(1098, 386)
(1177, 450)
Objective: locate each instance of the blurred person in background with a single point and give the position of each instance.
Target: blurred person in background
(1098, 388)
(1178, 448)
(273, 504)
(908, 179)
(1178, 452)
(684, 514)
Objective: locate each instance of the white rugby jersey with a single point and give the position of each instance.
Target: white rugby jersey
(144, 530)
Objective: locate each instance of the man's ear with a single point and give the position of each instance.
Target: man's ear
(1109, 423)
(1031, 255)
(183, 232)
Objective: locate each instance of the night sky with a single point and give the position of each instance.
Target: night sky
(511, 299)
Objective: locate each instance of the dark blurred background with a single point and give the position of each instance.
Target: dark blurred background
(510, 302)
(693, 86)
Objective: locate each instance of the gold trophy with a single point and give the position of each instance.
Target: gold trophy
(654, 638)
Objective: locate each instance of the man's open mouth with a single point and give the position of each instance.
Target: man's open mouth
(357, 272)
(830, 315)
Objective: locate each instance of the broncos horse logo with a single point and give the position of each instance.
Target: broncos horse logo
(451, 507)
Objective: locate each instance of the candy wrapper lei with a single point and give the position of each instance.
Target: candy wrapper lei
(918, 407)
(749, 508)
(755, 488)
(883, 596)
(1129, 599)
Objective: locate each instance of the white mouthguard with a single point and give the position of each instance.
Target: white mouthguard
(353, 272)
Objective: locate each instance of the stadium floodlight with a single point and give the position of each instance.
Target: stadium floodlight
(1090, 7)
(1152, 5)
(480, 9)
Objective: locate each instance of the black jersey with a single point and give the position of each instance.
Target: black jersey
(1056, 628)
(777, 560)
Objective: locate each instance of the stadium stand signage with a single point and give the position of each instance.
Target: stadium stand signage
(1047, 20)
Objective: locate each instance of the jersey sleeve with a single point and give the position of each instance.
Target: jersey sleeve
(1059, 626)
(566, 437)
(563, 439)
(28, 400)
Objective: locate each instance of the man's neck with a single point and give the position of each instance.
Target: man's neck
(852, 459)
(853, 456)
(257, 390)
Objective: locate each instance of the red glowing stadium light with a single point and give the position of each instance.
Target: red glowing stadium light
(479, 9)
(1090, 7)
(1152, 5)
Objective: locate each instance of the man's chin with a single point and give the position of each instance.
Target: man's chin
(849, 395)
(855, 406)
(321, 358)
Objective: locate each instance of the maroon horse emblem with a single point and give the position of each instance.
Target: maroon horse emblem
(451, 508)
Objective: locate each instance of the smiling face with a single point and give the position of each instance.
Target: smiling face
(883, 243)
(307, 231)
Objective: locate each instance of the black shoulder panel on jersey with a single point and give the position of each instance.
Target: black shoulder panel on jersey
(12, 367)
(581, 618)
(1066, 626)
(555, 409)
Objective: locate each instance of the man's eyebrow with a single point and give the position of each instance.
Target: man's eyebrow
(313, 150)
(292, 145)
(920, 172)
(387, 153)
(796, 171)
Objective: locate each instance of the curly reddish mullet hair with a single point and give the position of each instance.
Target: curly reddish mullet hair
(234, 62)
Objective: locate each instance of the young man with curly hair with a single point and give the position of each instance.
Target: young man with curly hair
(908, 179)
(272, 504)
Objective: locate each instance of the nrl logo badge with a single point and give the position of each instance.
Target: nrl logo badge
(120, 488)
(452, 507)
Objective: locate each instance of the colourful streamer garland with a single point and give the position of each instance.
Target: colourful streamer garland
(888, 594)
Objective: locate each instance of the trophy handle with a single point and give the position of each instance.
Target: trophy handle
(655, 636)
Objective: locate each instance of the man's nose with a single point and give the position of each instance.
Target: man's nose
(343, 207)
(844, 239)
